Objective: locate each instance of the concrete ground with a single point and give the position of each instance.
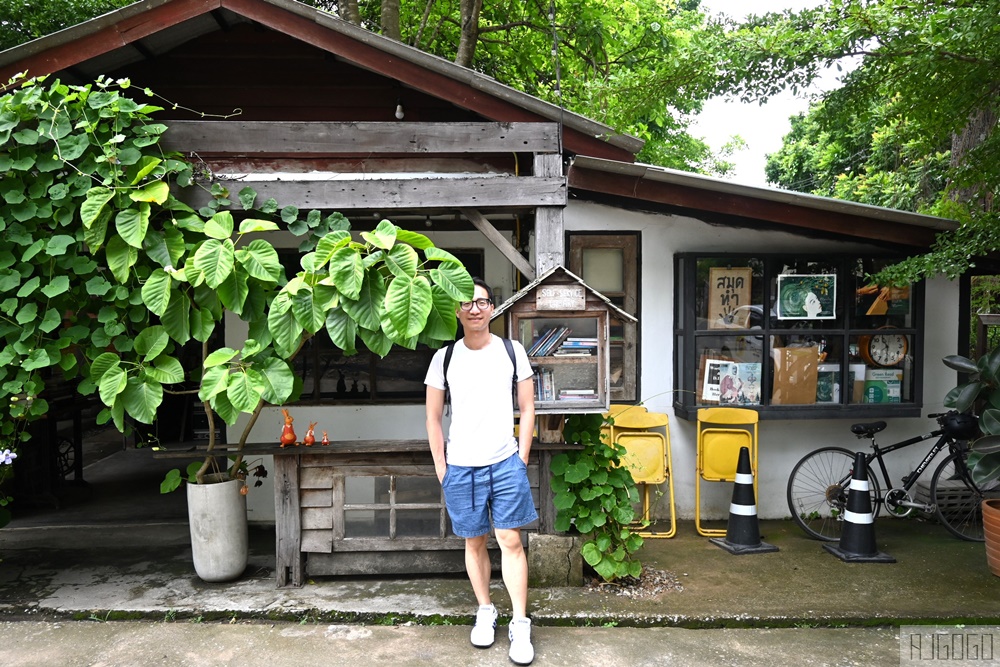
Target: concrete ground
(121, 553)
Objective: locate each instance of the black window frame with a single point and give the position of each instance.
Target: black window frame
(845, 327)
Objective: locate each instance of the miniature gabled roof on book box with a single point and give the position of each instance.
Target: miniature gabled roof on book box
(560, 276)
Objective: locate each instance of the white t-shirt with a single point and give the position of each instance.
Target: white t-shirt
(482, 411)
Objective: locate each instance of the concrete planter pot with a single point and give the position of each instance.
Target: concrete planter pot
(217, 514)
(991, 530)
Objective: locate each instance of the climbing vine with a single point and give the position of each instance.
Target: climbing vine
(594, 494)
(105, 270)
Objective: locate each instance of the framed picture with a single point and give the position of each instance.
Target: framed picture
(728, 290)
(710, 388)
(807, 297)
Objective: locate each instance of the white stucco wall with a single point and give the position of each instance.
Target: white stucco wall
(782, 443)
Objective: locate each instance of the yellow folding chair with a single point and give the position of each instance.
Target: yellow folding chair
(647, 455)
(721, 434)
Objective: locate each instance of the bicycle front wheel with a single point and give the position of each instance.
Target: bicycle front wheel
(817, 491)
(957, 498)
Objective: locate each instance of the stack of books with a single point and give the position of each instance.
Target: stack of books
(577, 395)
(544, 384)
(577, 347)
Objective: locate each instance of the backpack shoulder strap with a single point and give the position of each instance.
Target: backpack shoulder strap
(447, 361)
(510, 353)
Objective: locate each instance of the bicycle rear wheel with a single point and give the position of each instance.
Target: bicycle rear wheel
(957, 498)
(817, 491)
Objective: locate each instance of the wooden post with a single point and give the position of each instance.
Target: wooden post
(550, 245)
(289, 564)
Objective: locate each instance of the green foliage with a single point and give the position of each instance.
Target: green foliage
(981, 394)
(23, 21)
(594, 494)
(914, 124)
(105, 273)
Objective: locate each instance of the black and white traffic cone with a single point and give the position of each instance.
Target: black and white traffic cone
(743, 530)
(857, 537)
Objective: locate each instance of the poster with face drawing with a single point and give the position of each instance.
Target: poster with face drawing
(807, 297)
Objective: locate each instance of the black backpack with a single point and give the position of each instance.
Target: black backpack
(447, 361)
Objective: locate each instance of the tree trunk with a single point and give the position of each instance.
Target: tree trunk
(349, 11)
(981, 124)
(470, 32)
(390, 19)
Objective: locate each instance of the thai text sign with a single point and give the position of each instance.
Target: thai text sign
(728, 289)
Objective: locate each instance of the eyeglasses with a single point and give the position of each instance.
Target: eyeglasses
(482, 304)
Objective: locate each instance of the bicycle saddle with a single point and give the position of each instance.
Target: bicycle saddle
(868, 429)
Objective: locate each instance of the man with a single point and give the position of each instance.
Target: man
(483, 469)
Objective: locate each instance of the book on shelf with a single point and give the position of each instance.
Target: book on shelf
(572, 352)
(545, 384)
(577, 395)
(548, 341)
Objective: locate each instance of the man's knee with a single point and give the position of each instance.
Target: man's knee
(509, 540)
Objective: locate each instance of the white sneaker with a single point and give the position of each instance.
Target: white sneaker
(521, 650)
(484, 631)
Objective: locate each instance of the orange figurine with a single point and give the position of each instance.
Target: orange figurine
(310, 436)
(326, 440)
(287, 432)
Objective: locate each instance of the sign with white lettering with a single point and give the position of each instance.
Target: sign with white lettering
(560, 297)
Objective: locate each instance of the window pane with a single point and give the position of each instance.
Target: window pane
(366, 490)
(604, 269)
(881, 368)
(418, 523)
(366, 523)
(805, 294)
(418, 490)
(739, 358)
(401, 373)
(729, 293)
(876, 306)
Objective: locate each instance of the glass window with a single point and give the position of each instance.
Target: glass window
(799, 336)
(392, 506)
(610, 265)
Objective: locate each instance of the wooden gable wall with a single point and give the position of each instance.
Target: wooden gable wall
(268, 75)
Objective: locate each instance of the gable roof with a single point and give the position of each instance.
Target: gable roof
(150, 28)
(563, 271)
(604, 165)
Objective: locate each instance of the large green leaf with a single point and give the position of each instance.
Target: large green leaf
(220, 403)
(260, 260)
(279, 380)
(347, 271)
(252, 225)
(150, 342)
(309, 313)
(102, 364)
(132, 224)
(219, 357)
(156, 292)
(402, 261)
(91, 208)
(245, 389)
(439, 255)
(330, 243)
(215, 258)
(112, 383)
(383, 236)
(963, 397)
(442, 324)
(58, 285)
(166, 370)
(233, 291)
(369, 305)
(213, 380)
(454, 280)
(202, 324)
(176, 318)
(95, 235)
(156, 192)
(342, 329)
(407, 303)
(121, 258)
(285, 328)
(376, 341)
(220, 226)
(141, 399)
(415, 239)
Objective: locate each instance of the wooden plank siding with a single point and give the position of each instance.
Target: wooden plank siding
(361, 138)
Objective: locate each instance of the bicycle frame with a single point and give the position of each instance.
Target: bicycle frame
(879, 452)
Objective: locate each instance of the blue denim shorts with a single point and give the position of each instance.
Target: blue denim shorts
(500, 491)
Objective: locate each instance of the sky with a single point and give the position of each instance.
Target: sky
(760, 126)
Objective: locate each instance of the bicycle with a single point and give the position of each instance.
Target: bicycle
(818, 485)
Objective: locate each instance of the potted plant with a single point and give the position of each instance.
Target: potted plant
(981, 395)
(108, 273)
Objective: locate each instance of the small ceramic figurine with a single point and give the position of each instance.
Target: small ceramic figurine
(310, 437)
(287, 432)
(326, 440)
